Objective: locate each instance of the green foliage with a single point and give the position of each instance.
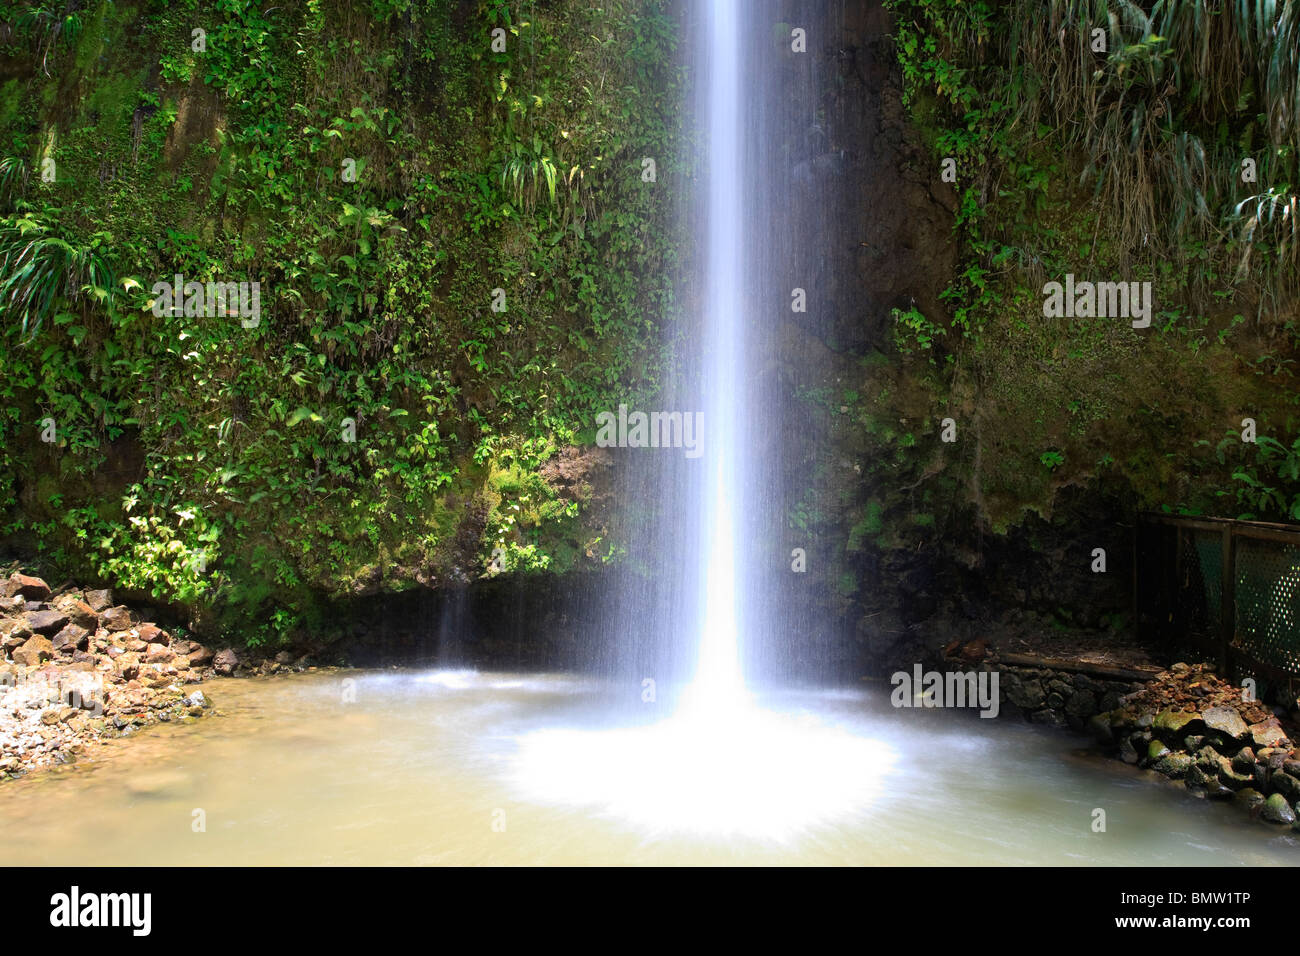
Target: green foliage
(191, 440)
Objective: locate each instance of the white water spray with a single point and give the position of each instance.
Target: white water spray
(719, 684)
(721, 766)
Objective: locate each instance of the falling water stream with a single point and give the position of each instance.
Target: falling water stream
(461, 766)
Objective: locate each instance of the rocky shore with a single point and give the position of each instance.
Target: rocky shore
(1195, 728)
(77, 669)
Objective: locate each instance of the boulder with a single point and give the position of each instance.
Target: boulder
(1285, 784)
(1156, 750)
(1277, 810)
(1250, 799)
(36, 650)
(33, 589)
(115, 619)
(225, 661)
(1225, 720)
(45, 622)
(1175, 765)
(200, 656)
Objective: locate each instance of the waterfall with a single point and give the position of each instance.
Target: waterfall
(718, 679)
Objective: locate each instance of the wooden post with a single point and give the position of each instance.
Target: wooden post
(1227, 601)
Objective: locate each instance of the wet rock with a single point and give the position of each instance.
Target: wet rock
(45, 622)
(197, 699)
(1082, 704)
(199, 655)
(225, 662)
(1277, 810)
(1249, 799)
(1174, 721)
(29, 588)
(1175, 765)
(1285, 784)
(1244, 761)
(36, 650)
(1225, 720)
(100, 600)
(1099, 727)
(115, 619)
(71, 638)
(1026, 694)
(1127, 752)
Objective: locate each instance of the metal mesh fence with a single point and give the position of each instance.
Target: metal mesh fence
(1181, 577)
(1268, 602)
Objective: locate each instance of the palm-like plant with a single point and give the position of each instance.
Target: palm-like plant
(40, 271)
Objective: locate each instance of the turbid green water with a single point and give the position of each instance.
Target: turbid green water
(466, 768)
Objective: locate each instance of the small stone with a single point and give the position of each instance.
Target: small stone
(83, 615)
(1127, 752)
(158, 654)
(200, 656)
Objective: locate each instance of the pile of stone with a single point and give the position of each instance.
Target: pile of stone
(1193, 727)
(74, 667)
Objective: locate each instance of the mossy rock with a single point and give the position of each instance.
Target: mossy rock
(1250, 799)
(1175, 721)
(1175, 765)
(1278, 810)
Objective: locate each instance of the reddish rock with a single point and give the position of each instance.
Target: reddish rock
(83, 615)
(1269, 733)
(115, 619)
(71, 638)
(226, 661)
(200, 656)
(45, 622)
(36, 650)
(33, 589)
(158, 654)
(153, 634)
(100, 600)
